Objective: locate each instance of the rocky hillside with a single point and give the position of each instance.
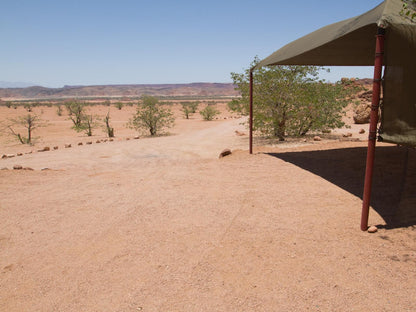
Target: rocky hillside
(191, 89)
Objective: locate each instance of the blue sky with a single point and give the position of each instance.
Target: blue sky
(88, 42)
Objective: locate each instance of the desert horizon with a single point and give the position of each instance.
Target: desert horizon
(198, 90)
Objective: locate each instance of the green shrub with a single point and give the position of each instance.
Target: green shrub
(189, 108)
(119, 105)
(291, 100)
(151, 116)
(209, 112)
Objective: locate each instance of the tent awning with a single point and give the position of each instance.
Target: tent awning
(347, 43)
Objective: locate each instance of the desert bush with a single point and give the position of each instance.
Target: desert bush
(81, 121)
(29, 122)
(194, 106)
(189, 108)
(76, 112)
(109, 129)
(59, 110)
(185, 109)
(209, 112)
(87, 124)
(119, 105)
(151, 116)
(28, 107)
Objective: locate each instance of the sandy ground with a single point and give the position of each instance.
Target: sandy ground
(162, 224)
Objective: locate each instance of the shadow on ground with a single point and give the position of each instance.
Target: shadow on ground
(394, 180)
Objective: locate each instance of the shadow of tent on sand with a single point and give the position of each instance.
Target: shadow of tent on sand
(394, 179)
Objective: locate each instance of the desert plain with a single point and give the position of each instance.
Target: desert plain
(164, 224)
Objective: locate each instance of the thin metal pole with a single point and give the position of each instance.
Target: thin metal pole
(378, 66)
(251, 113)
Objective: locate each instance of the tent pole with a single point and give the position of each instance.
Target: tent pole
(378, 66)
(251, 113)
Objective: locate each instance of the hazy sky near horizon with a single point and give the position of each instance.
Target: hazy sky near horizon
(55, 43)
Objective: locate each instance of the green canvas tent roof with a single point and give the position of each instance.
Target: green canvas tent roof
(347, 43)
(352, 43)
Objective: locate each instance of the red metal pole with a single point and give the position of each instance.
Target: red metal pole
(251, 113)
(378, 65)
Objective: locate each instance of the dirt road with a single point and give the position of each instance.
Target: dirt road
(164, 225)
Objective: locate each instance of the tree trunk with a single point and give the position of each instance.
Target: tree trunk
(281, 128)
(306, 129)
(20, 138)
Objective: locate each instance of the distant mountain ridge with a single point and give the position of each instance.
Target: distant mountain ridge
(133, 90)
(15, 84)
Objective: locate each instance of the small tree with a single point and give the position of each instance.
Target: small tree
(151, 116)
(76, 112)
(186, 109)
(28, 107)
(109, 129)
(209, 112)
(81, 121)
(321, 108)
(87, 124)
(193, 106)
(290, 100)
(59, 110)
(30, 123)
(189, 108)
(119, 105)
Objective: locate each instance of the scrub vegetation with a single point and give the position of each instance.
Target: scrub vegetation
(189, 108)
(209, 112)
(409, 9)
(291, 100)
(29, 122)
(151, 116)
